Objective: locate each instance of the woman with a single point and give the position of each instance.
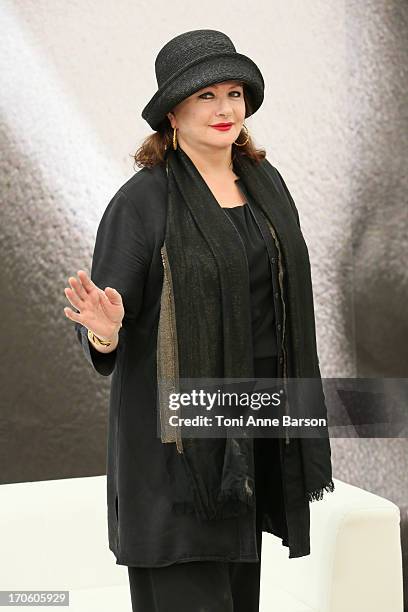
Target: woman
(200, 270)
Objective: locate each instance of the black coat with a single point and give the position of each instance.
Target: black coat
(143, 531)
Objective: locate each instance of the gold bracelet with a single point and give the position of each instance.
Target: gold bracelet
(97, 340)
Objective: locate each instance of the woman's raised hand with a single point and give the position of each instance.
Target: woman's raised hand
(101, 311)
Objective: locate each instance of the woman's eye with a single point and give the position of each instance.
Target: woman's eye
(209, 93)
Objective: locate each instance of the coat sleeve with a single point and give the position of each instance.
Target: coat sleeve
(121, 260)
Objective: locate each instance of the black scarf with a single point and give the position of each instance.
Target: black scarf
(211, 301)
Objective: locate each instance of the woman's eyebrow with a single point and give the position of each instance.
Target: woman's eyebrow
(216, 85)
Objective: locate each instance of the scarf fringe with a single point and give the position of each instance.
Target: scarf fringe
(317, 494)
(232, 495)
(181, 508)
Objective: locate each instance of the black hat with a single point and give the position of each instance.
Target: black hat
(193, 60)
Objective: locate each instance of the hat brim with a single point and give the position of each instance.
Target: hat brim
(206, 72)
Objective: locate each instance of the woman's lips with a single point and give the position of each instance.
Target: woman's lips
(222, 128)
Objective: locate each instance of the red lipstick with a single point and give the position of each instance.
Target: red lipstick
(223, 127)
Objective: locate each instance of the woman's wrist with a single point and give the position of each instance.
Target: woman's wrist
(102, 344)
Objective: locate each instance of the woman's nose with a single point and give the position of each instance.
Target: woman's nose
(224, 108)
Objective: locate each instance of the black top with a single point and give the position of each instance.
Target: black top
(262, 300)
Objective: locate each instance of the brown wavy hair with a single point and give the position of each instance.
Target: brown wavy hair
(153, 149)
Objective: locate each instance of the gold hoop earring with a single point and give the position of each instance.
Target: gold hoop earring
(241, 144)
(174, 138)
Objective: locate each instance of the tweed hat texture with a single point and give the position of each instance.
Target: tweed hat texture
(194, 60)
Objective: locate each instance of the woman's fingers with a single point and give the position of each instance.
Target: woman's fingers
(87, 283)
(77, 287)
(74, 316)
(113, 295)
(87, 297)
(72, 297)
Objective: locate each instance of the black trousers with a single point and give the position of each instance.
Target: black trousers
(205, 586)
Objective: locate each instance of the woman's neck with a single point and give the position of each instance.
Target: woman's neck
(217, 166)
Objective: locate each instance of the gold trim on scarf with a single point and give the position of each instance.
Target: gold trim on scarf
(167, 356)
(280, 276)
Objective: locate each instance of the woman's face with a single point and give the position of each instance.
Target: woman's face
(219, 103)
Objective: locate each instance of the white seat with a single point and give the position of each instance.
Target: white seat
(355, 562)
(54, 536)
